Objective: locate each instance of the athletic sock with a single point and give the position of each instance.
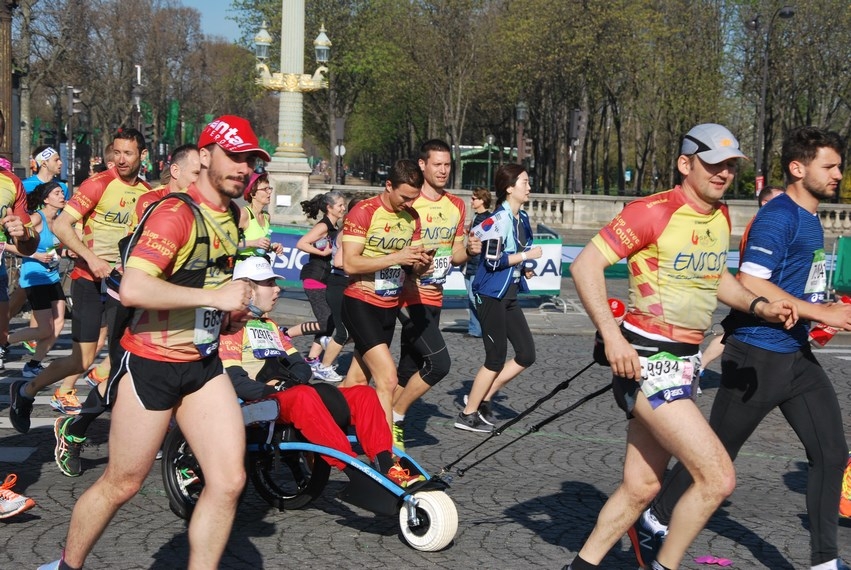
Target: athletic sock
(93, 407)
(656, 565)
(33, 363)
(398, 417)
(580, 564)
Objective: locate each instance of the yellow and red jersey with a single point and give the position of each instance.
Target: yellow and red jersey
(105, 204)
(381, 231)
(13, 199)
(675, 256)
(442, 222)
(165, 245)
(241, 348)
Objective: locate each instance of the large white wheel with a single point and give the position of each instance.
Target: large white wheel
(437, 521)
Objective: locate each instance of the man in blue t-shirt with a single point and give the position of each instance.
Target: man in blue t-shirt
(766, 367)
(48, 166)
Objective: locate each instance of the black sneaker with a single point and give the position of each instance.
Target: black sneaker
(485, 413)
(4, 354)
(472, 422)
(647, 536)
(20, 407)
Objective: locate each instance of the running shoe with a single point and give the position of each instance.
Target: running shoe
(313, 363)
(31, 371)
(647, 536)
(472, 422)
(30, 345)
(20, 407)
(326, 373)
(403, 477)
(92, 378)
(324, 341)
(66, 403)
(11, 503)
(845, 497)
(485, 413)
(399, 435)
(67, 450)
(50, 565)
(4, 353)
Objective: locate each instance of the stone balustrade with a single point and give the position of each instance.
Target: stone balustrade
(565, 212)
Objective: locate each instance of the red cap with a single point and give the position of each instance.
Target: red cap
(233, 134)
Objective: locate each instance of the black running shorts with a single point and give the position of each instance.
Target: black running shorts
(160, 385)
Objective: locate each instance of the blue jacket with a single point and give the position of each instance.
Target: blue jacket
(494, 276)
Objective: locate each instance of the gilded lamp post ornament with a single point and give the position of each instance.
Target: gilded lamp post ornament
(291, 82)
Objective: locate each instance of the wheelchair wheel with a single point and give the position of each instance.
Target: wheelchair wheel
(182, 476)
(436, 525)
(288, 480)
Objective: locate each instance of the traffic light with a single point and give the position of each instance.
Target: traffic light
(573, 125)
(528, 148)
(148, 132)
(73, 100)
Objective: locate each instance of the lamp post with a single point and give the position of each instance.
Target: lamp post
(289, 169)
(521, 113)
(6, 8)
(754, 24)
(490, 140)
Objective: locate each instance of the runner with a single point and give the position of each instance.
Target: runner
(382, 245)
(676, 243)
(765, 366)
(103, 207)
(424, 360)
(178, 277)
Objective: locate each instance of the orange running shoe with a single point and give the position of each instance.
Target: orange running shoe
(92, 378)
(845, 497)
(66, 403)
(11, 503)
(402, 476)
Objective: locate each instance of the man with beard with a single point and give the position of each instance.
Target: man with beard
(103, 207)
(178, 278)
(765, 366)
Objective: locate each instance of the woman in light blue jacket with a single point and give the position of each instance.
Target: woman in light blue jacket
(501, 275)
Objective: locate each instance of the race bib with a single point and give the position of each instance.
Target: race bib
(817, 279)
(388, 282)
(442, 264)
(264, 340)
(208, 323)
(666, 378)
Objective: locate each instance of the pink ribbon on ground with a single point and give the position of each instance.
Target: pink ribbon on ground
(709, 559)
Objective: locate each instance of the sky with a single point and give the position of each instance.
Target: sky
(214, 17)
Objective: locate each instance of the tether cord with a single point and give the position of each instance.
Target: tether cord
(538, 426)
(522, 415)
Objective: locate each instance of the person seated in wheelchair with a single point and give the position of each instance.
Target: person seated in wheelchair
(263, 364)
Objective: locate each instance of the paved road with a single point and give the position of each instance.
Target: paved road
(528, 506)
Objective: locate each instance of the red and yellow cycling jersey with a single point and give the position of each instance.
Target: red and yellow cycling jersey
(105, 204)
(13, 199)
(442, 223)
(676, 256)
(165, 245)
(146, 200)
(381, 231)
(253, 345)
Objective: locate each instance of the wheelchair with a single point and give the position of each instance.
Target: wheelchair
(288, 473)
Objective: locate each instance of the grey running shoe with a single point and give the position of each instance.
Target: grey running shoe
(20, 407)
(472, 422)
(67, 450)
(326, 373)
